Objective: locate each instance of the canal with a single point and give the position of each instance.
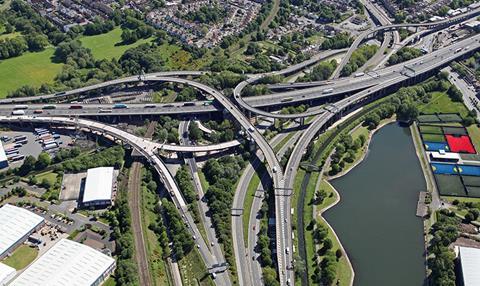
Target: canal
(375, 218)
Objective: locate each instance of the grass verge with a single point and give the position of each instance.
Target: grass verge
(21, 257)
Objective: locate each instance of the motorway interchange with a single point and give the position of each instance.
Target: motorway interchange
(344, 96)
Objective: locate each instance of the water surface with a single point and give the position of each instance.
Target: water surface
(375, 219)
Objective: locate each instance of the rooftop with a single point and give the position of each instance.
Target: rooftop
(15, 223)
(6, 273)
(470, 261)
(3, 156)
(66, 263)
(98, 186)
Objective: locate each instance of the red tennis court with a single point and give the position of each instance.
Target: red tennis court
(460, 144)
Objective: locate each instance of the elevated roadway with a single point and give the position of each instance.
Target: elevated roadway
(148, 149)
(125, 80)
(338, 109)
(433, 25)
(365, 82)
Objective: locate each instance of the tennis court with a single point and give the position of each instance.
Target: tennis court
(472, 181)
(436, 146)
(455, 130)
(428, 118)
(473, 192)
(430, 129)
(437, 138)
(450, 185)
(460, 144)
(468, 170)
(446, 169)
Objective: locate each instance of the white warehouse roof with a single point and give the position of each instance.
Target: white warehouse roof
(470, 261)
(3, 156)
(6, 274)
(66, 263)
(15, 223)
(98, 186)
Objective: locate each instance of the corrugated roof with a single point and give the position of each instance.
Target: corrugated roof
(6, 273)
(470, 261)
(98, 185)
(66, 263)
(3, 156)
(15, 223)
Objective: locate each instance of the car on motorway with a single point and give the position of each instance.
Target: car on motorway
(150, 106)
(251, 129)
(328, 90)
(76, 107)
(38, 111)
(18, 112)
(120, 106)
(168, 105)
(19, 107)
(49, 106)
(105, 110)
(189, 104)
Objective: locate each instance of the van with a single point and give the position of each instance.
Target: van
(287, 251)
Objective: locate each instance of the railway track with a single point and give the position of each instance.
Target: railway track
(135, 202)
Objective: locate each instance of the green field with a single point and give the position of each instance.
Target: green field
(50, 176)
(193, 270)
(30, 68)
(430, 129)
(433, 138)
(21, 257)
(441, 103)
(108, 45)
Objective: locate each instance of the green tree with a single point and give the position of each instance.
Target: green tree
(44, 160)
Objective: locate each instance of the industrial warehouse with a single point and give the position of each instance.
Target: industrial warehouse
(16, 225)
(469, 261)
(3, 157)
(67, 263)
(98, 187)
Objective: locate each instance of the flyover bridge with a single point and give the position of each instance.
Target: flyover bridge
(434, 25)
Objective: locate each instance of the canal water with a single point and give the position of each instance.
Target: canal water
(375, 218)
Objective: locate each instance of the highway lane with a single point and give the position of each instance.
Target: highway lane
(433, 25)
(369, 79)
(222, 278)
(147, 149)
(125, 80)
(273, 164)
(248, 265)
(469, 94)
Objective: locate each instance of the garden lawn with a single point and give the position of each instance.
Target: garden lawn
(31, 69)
(108, 45)
(21, 257)
(50, 176)
(441, 103)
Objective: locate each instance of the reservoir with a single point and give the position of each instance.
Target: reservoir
(375, 218)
